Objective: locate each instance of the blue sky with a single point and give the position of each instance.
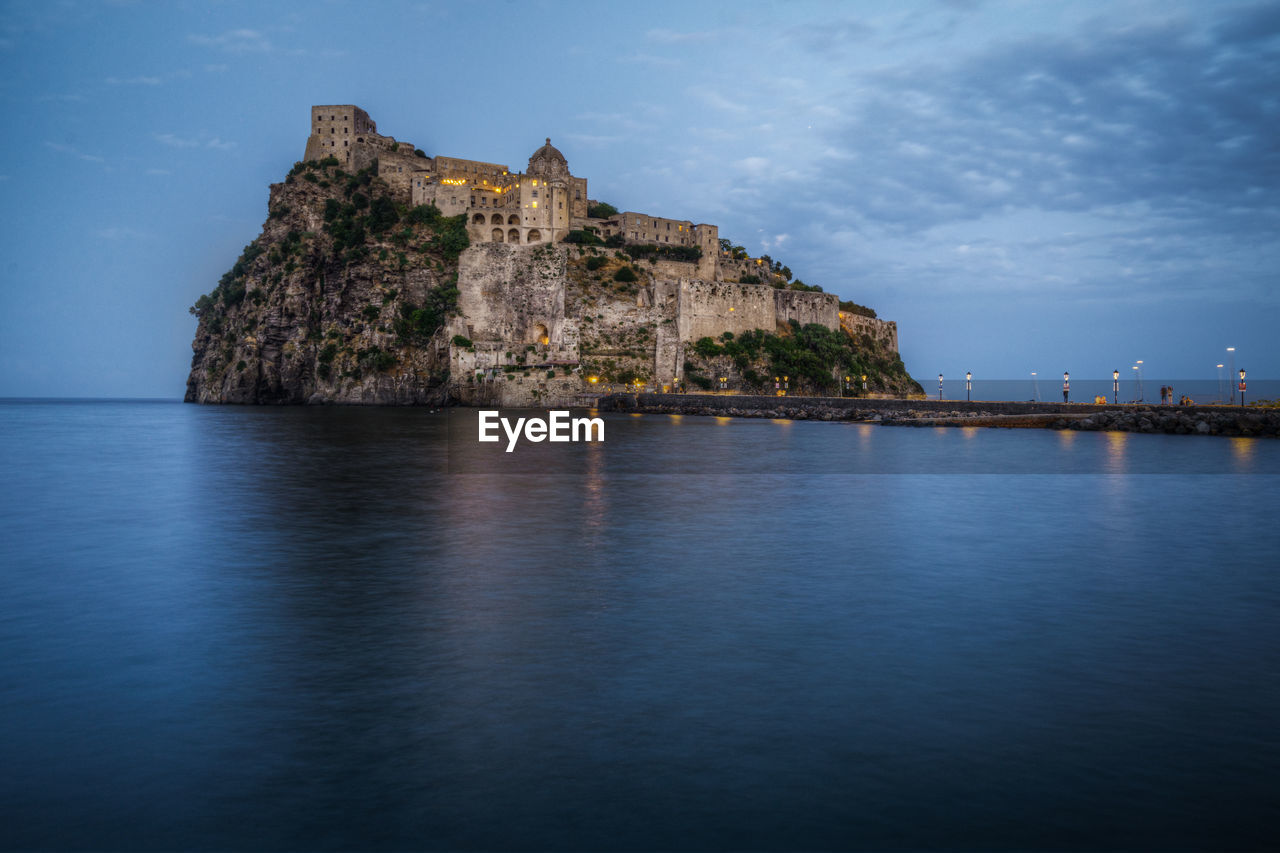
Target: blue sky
(1021, 185)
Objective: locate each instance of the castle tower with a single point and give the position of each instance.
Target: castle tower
(546, 203)
(335, 128)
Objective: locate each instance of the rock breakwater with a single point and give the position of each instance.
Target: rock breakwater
(1174, 420)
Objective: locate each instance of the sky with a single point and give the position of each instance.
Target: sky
(1020, 185)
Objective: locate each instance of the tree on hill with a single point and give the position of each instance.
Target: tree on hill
(601, 210)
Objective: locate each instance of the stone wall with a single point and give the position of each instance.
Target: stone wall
(513, 294)
(710, 308)
(807, 307)
(884, 331)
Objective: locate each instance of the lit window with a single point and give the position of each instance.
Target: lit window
(535, 204)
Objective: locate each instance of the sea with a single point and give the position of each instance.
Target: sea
(332, 628)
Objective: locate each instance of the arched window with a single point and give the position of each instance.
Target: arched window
(497, 235)
(539, 334)
(535, 236)
(478, 219)
(513, 236)
(497, 219)
(513, 220)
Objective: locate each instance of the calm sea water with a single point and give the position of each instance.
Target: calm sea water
(262, 629)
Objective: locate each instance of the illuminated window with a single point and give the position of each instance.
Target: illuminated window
(535, 204)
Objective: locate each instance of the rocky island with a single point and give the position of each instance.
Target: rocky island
(385, 276)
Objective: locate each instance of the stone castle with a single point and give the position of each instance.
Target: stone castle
(512, 281)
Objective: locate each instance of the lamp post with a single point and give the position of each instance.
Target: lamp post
(864, 384)
(1142, 398)
(844, 387)
(1220, 388)
(1242, 386)
(939, 386)
(1035, 386)
(777, 386)
(1066, 386)
(1115, 387)
(1231, 362)
(786, 385)
(724, 382)
(968, 385)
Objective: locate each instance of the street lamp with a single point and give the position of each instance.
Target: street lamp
(1115, 386)
(1231, 361)
(1242, 386)
(1035, 386)
(1142, 397)
(968, 385)
(939, 386)
(786, 384)
(864, 384)
(1220, 389)
(1066, 386)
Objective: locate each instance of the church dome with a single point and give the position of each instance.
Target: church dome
(548, 161)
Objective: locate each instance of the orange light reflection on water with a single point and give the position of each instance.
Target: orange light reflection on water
(1117, 447)
(1243, 450)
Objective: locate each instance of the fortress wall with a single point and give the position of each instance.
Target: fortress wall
(668, 270)
(807, 307)
(737, 269)
(711, 308)
(398, 168)
(885, 331)
(451, 200)
(512, 293)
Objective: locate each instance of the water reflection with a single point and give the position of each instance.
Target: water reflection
(1117, 444)
(1243, 451)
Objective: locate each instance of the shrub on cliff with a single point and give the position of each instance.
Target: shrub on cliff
(451, 235)
(708, 348)
(584, 237)
(382, 214)
(854, 308)
(595, 262)
(601, 210)
(626, 274)
(688, 254)
(423, 214)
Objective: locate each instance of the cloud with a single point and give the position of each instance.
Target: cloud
(133, 81)
(217, 67)
(594, 140)
(175, 141)
(72, 151)
(650, 59)
(159, 172)
(121, 233)
(202, 140)
(665, 36)
(714, 99)
(235, 41)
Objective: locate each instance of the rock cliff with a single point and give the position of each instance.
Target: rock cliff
(342, 298)
(351, 295)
